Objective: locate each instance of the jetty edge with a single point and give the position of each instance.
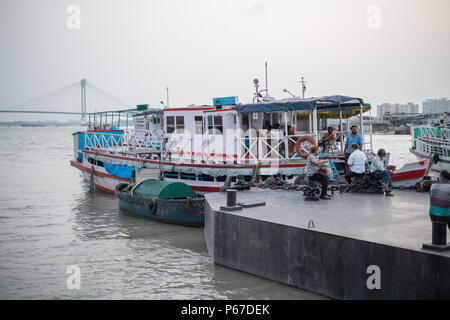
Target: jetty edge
(357, 246)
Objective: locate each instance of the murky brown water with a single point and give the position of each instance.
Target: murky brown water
(49, 221)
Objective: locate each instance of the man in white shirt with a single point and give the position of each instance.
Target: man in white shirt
(356, 163)
(377, 169)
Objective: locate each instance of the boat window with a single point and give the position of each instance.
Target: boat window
(210, 122)
(180, 124)
(198, 125)
(218, 124)
(170, 124)
(215, 124)
(245, 122)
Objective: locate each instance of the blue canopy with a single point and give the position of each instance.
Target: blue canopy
(322, 103)
(150, 111)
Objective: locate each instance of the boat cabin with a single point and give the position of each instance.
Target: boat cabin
(254, 133)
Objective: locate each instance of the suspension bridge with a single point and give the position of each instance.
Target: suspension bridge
(74, 99)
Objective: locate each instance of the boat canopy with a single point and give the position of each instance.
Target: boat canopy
(322, 103)
(156, 111)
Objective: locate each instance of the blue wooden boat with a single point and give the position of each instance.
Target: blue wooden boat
(163, 201)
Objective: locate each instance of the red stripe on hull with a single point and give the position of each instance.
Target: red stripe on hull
(408, 175)
(104, 175)
(205, 189)
(299, 165)
(96, 173)
(107, 190)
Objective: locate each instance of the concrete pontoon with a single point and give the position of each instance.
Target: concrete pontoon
(339, 248)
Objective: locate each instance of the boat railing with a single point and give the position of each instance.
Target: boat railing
(268, 149)
(433, 132)
(428, 148)
(121, 142)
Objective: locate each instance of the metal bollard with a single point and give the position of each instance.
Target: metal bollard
(231, 201)
(439, 236)
(231, 197)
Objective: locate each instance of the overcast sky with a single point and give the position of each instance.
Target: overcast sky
(202, 49)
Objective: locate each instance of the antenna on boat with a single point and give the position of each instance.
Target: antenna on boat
(303, 82)
(167, 88)
(267, 97)
(267, 85)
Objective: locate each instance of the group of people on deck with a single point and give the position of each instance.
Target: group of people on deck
(355, 160)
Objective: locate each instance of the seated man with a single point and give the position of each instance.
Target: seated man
(377, 170)
(328, 139)
(356, 163)
(313, 164)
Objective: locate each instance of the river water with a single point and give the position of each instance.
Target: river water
(49, 222)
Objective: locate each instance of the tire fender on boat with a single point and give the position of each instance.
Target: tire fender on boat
(298, 143)
(152, 206)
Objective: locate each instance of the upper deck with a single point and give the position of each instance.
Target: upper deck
(257, 133)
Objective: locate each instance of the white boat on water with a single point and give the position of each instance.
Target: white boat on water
(432, 141)
(209, 146)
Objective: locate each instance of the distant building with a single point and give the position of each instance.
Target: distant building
(436, 106)
(396, 108)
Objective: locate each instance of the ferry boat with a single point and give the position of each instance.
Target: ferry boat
(432, 141)
(208, 146)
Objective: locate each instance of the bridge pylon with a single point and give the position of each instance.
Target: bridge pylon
(83, 102)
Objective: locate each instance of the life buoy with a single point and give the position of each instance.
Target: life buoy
(299, 142)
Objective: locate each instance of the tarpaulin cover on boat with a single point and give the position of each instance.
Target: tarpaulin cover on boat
(121, 171)
(322, 103)
(163, 190)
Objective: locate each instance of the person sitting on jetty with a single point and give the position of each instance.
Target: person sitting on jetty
(351, 139)
(327, 140)
(356, 163)
(313, 165)
(440, 199)
(379, 172)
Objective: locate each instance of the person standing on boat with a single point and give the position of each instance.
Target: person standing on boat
(378, 172)
(356, 162)
(440, 199)
(313, 165)
(353, 138)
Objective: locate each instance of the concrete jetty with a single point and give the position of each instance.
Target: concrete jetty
(355, 246)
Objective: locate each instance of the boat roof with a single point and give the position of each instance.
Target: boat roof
(157, 111)
(295, 104)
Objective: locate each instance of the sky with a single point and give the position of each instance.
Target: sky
(394, 51)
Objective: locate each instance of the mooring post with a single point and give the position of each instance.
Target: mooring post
(439, 236)
(91, 180)
(231, 201)
(231, 197)
(440, 217)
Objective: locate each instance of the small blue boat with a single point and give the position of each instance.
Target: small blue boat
(163, 201)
